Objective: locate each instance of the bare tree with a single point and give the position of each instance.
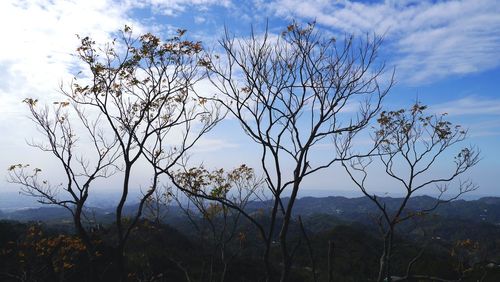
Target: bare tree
(291, 93)
(81, 168)
(142, 89)
(410, 147)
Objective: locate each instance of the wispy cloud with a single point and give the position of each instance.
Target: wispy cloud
(481, 115)
(471, 105)
(207, 144)
(174, 7)
(485, 128)
(429, 40)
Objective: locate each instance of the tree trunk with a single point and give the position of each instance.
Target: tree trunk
(385, 259)
(286, 260)
(120, 259)
(84, 236)
(331, 247)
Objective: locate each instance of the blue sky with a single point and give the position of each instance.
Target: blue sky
(446, 53)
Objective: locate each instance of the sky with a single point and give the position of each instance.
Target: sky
(445, 53)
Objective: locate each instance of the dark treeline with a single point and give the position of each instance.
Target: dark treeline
(451, 247)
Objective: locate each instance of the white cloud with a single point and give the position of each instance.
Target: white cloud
(40, 38)
(429, 40)
(471, 105)
(199, 20)
(484, 129)
(207, 144)
(173, 7)
(480, 115)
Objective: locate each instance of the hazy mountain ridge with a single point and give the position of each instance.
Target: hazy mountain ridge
(485, 209)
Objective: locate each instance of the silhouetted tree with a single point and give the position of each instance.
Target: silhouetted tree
(141, 91)
(410, 146)
(291, 93)
(81, 166)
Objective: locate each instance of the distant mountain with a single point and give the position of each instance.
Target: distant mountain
(346, 209)
(58, 214)
(485, 209)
